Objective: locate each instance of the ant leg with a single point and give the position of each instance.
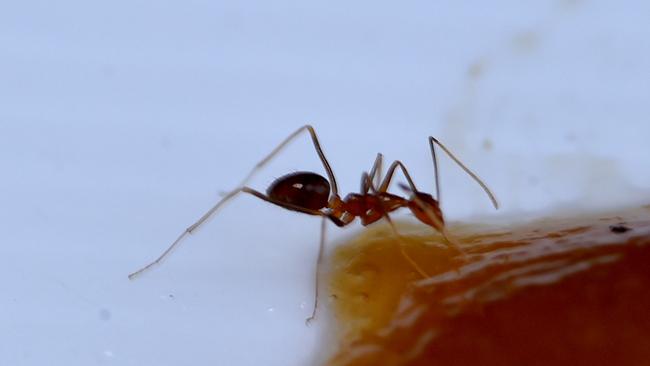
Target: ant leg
(408, 258)
(288, 206)
(432, 215)
(321, 246)
(187, 231)
(391, 172)
(478, 180)
(384, 186)
(375, 174)
(411, 261)
(241, 188)
(319, 262)
(284, 143)
(203, 218)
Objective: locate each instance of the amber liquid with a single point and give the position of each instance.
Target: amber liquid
(554, 292)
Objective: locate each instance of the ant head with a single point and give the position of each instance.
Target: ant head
(425, 208)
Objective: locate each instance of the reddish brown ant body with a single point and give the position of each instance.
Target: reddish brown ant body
(313, 194)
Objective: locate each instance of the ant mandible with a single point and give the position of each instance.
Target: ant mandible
(312, 194)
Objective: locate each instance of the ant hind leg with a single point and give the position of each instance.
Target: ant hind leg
(242, 188)
(319, 262)
(284, 143)
(230, 195)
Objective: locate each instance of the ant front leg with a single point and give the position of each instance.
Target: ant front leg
(365, 177)
(438, 221)
(391, 172)
(375, 174)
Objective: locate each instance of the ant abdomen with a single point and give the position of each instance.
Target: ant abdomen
(303, 189)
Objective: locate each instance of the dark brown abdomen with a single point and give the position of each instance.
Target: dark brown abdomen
(304, 189)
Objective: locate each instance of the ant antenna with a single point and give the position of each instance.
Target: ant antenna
(478, 180)
(434, 158)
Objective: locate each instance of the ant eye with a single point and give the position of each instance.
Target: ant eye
(297, 185)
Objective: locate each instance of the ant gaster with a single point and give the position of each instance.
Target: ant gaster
(312, 194)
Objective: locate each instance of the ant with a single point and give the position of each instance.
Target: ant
(312, 194)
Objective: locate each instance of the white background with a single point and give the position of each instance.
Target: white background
(121, 121)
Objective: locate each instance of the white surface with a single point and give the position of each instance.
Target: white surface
(121, 122)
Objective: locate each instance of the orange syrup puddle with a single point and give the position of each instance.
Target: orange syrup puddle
(551, 292)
